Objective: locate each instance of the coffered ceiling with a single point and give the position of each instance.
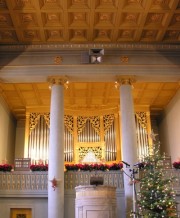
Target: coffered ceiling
(83, 21)
(86, 96)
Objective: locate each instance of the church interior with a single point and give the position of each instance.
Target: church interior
(85, 82)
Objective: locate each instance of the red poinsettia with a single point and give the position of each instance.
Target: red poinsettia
(176, 164)
(92, 167)
(6, 167)
(39, 167)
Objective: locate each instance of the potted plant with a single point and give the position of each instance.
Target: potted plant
(6, 168)
(39, 167)
(176, 164)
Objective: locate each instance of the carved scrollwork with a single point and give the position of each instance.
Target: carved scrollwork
(142, 118)
(33, 120)
(81, 122)
(125, 80)
(108, 121)
(124, 59)
(95, 121)
(58, 80)
(96, 150)
(47, 118)
(58, 60)
(69, 123)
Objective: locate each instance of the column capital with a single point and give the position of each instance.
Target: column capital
(57, 80)
(125, 79)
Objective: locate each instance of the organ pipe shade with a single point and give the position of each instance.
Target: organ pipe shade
(88, 131)
(142, 139)
(68, 145)
(39, 141)
(110, 143)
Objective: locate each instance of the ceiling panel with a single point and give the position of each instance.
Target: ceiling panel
(87, 21)
(21, 96)
(80, 21)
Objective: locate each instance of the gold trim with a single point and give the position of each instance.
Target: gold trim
(142, 119)
(124, 59)
(125, 80)
(58, 60)
(58, 80)
(69, 123)
(47, 118)
(83, 151)
(33, 120)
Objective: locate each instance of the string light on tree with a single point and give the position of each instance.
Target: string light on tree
(156, 198)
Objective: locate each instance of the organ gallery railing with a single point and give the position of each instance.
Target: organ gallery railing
(73, 179)
(25, 181)
(31, 181)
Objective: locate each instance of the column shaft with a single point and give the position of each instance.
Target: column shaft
(129, 140)
(56, 153)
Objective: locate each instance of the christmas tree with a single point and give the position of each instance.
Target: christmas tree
(156, 197)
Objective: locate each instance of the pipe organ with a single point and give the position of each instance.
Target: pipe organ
(142, 134)
(84, 137)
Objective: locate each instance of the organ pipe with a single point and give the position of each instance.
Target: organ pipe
(88, 134)
(88, 130)
(142, 139)
(68, 146)
(110, 142)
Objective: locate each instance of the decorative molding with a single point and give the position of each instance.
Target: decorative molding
(58, 60)
(127, 46)
(94, 120)
(69, 123)
(83, 178)
(58, 80)
(125, 80)
(33, 120)
(83, 151)
(142, 118)
(47, 118)
(91, 73)
(124, 59)
(108, 122)
(35, 184)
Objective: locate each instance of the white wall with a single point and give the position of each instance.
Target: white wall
(38, 206)
(170, 128)
(7, 133)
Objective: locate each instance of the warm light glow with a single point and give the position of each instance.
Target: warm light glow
(90, 158)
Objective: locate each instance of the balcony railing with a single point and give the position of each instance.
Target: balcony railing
(23, 180)
(38, 181)
(110, 178)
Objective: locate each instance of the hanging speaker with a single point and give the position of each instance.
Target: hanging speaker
(95, 59)
(96, 51)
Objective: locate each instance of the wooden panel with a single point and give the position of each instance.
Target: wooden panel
(21, 97)
(79, 21)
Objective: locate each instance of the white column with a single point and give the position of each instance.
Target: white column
(128, 136)
(56, 149)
